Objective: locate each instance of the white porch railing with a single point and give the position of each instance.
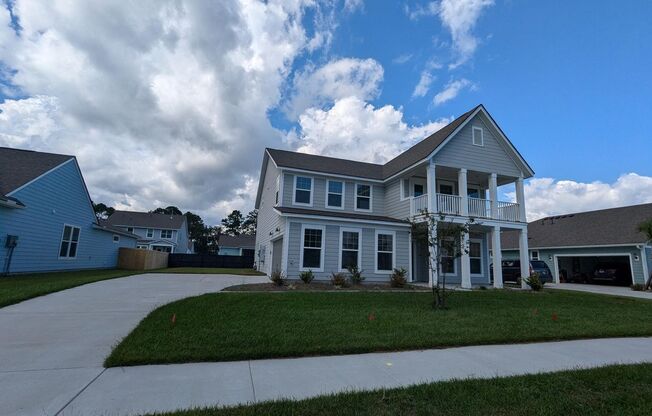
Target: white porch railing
(479, 207)
(508, 211)
(449, 204)
(418, 204)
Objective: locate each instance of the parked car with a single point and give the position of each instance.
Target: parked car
(611, 272)
(512, 270)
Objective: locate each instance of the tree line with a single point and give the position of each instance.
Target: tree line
(204, 236)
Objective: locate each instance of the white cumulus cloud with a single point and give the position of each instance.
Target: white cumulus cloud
(354, 129)
(451, 90)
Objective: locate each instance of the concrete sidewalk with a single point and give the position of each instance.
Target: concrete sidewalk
(137, 390)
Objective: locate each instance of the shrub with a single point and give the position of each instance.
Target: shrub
(638, 287)
(534, 282)
(306, 276)
(277, 277)
(356, 274)
(339, 279)
(397, 279)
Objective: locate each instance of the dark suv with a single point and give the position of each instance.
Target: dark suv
(611, 272)
(512, 271)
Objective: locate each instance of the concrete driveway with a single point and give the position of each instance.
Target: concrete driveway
(602, 290)
(53, 346)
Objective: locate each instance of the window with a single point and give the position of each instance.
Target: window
(312, 243)
(130, 229)
(116, 238)
(418, 189)
(384, 251)
(150, 233)
(143, 247)
(349, 247)
(474, 193)
(478, 137)
(363, 197)
(446, 189)
(405, 189)
(447, 259)
(334, 194)
(166, 234)
(475, 256)
(534, 255)
(69, 242)
(278, 188)
(302, 190)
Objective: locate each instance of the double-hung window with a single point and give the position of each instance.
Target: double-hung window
(534, 255)
(278, 190)
(475, 256)
(384, 251)
(349, 248)
(363, 197)
(302, 190)
(69, 242)
(312, 247)
(166, 234)
(447, 257)
(150, 233)
(334, 194)
(405, 189)
(478, 136)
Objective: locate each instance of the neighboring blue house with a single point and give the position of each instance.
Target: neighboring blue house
(236, 245)
(47, 222)
(160, 232)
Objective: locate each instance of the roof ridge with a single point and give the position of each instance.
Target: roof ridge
(35, 151)
(595, 210)
(322, 156)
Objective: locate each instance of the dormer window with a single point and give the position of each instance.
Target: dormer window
(302, 190)
(478, 136)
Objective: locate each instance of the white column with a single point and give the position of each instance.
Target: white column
(432, 187)
(286, 247)
(520, 199)
(462, 185)
(498, 257)
(466, 263)
(433, 273)
(524, 256)
(493, 195)
(646, 272)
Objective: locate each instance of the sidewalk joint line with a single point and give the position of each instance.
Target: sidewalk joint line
(80, 392)
(251, 377)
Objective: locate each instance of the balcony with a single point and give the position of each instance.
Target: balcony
(477, 207)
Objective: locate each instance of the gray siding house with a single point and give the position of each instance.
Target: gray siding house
(321, 213)
(160, 232)
(573, 245)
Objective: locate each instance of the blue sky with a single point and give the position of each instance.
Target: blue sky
(171, 102)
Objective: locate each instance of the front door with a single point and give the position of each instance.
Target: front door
(420, 261)
(277, 255)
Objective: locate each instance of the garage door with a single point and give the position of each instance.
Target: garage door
(595, 269)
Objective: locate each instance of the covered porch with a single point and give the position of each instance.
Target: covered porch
(480, 263)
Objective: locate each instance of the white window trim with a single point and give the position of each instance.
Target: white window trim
(354, 230)
(277, 195)
(393, 234)
(475, 128)
(171, 234)
(147, 233)
(371, 197)
(114, 238)
(130, 229)
(63, 231)
(532, 255)
(445, 182)
(328, 181)
(294, 191)
(402, 190)
(482, 259)
(454, 273)
(321, 253)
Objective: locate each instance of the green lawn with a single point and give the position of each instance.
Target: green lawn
(14, 289)
(615, 390)
(239, 326)
(209, 270)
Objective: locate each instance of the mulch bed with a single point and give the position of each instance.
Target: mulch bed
(299, 286)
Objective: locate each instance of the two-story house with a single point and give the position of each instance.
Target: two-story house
(160, 232)
(321, 213)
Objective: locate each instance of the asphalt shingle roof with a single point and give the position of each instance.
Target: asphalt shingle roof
(18, 167)
(348, 215)
(145, 219)
(324, 164)
(594, 228)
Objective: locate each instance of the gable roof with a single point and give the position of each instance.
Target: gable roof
(613, 226)
(19, 167)
(146, 220)
(415, 154)
(240, 241)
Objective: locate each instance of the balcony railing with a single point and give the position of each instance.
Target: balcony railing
(479, 208)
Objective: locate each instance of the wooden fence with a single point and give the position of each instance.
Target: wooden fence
(245, 261)
(139, 259)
